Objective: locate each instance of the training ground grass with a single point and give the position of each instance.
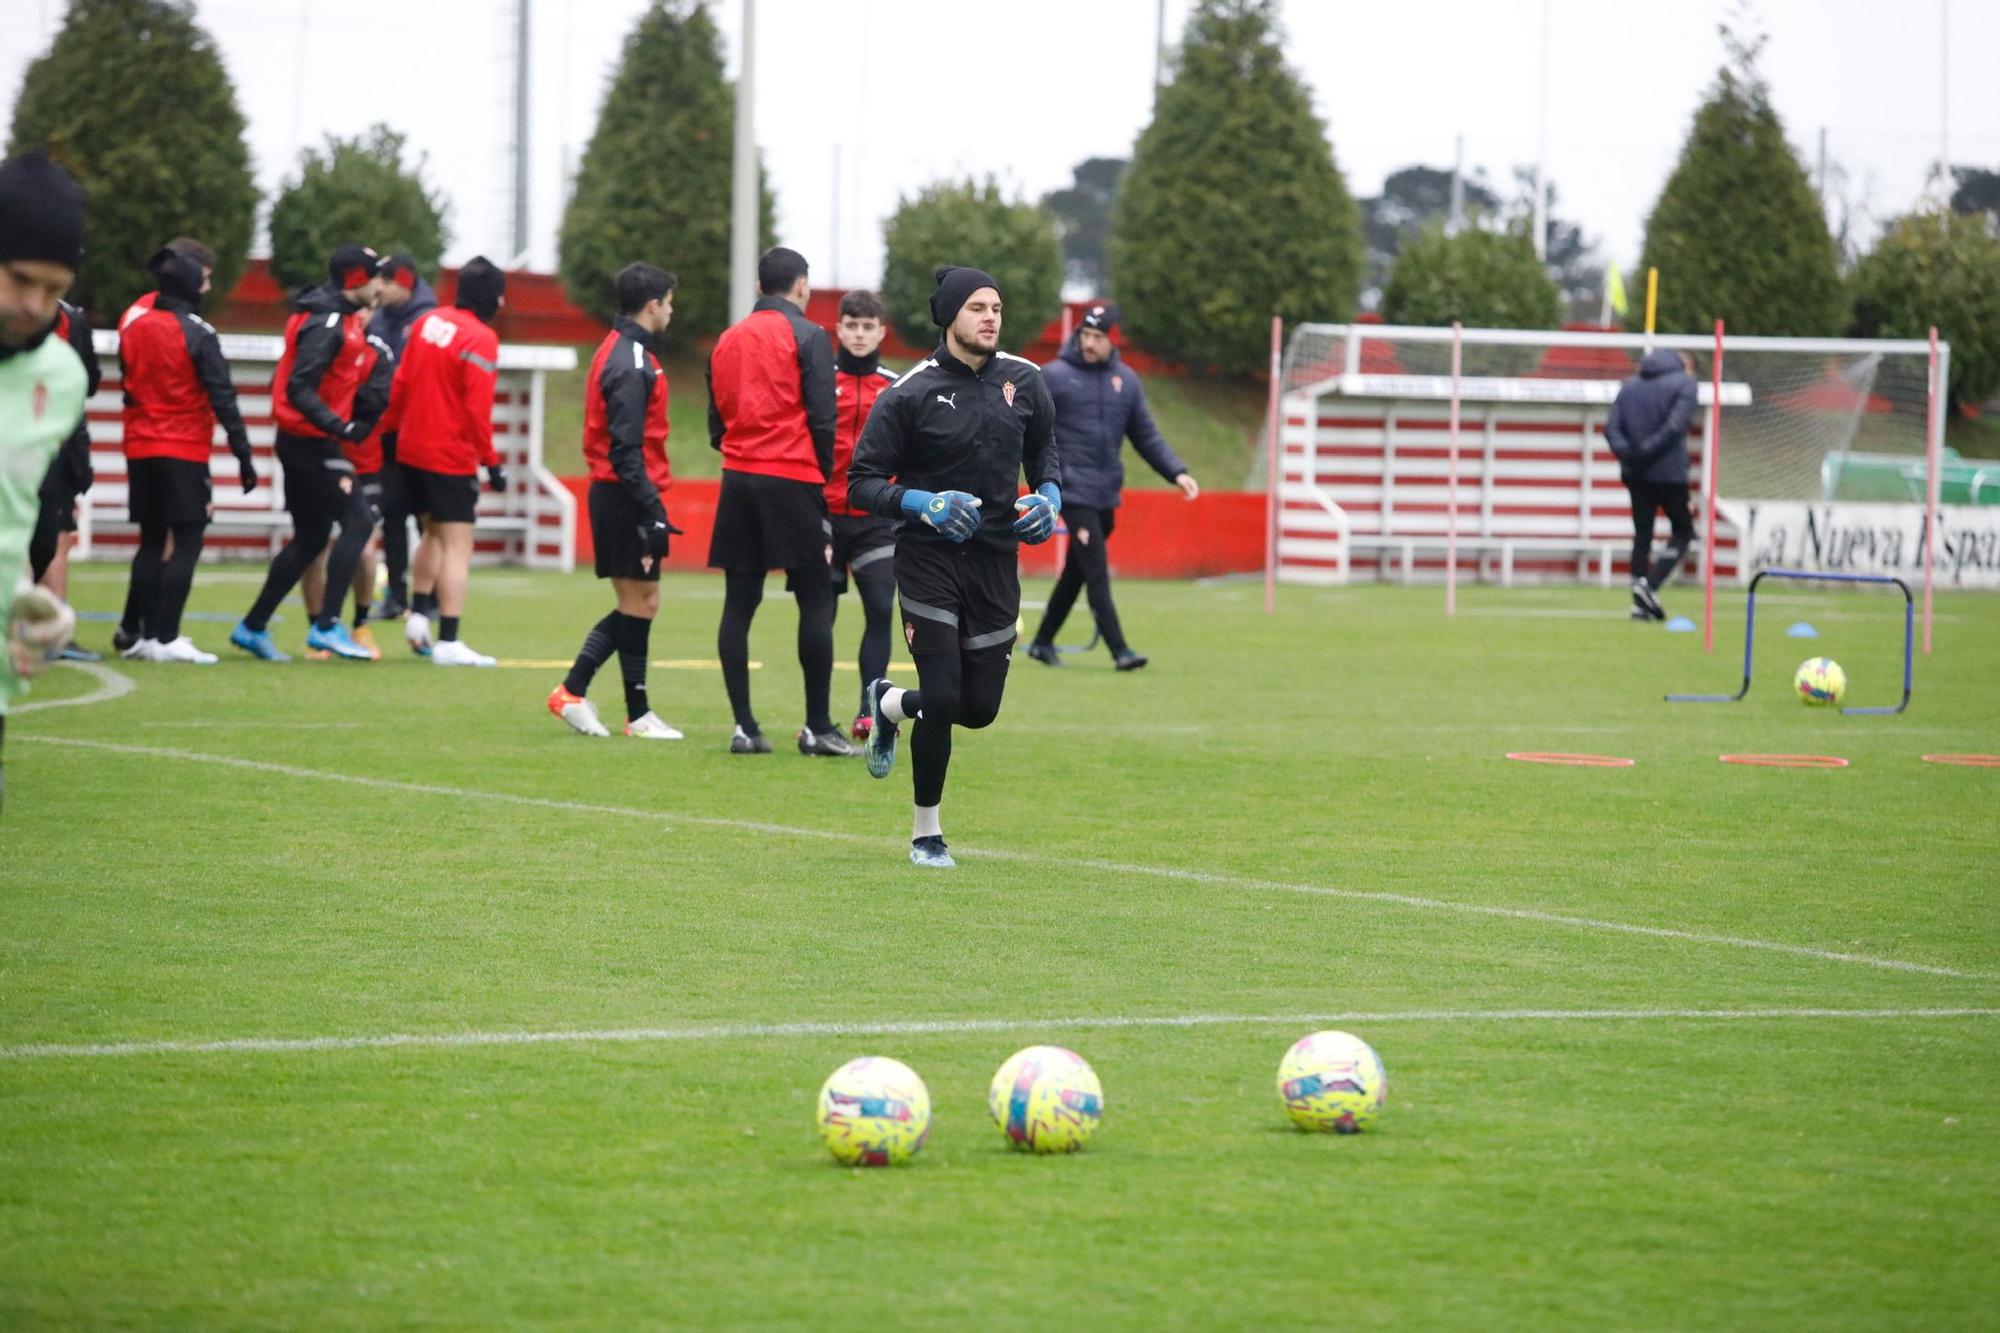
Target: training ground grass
(1286, 822)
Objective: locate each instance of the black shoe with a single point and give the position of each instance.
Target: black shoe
(826, 743)
(1645, 599)
(122, 641)
(747, 742)
(1045, 653)
(70, 652)
(1129, 660)
(391, 607)
(930, 852)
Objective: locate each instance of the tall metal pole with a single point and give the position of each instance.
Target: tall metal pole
(1944, 94)
(1542, 151)
(1455, 219)
(1159, 49)
(519, 248)
(743, 182)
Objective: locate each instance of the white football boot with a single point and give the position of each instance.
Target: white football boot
(453, 653)
(181, 650)
(650, 728)
(142, 650)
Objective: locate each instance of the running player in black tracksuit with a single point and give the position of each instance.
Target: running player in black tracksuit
(944, 451)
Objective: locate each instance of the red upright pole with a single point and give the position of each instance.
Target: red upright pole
(1933, 457)
(1451, 481)
(1272, 472)
(1710, 448)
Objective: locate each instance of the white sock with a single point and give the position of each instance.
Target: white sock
(926, 824)
(892, 705)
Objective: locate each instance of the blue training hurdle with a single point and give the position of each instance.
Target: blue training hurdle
(1750, 637)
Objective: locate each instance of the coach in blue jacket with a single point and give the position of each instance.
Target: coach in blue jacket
(1648, 430)
(1099, 405)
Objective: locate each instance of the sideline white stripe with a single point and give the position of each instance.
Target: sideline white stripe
(940, 1028)
(1220, 880)
(111, 685)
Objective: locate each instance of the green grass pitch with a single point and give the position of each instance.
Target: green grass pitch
(1680, 1045)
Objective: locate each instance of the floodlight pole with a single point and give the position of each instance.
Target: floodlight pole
(520, 146)
(1710, 447)
(1451, 480)
(1542, 151)
(743, 180)
(1271, 470)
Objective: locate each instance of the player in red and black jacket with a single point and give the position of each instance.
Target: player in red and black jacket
(771, 414)
(177, 389)
(441, 409)
(368, 454)
(863, 544)
(69, 476)
(320, 371)
(625, 444)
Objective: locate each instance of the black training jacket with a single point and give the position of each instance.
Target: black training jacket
(947, 427)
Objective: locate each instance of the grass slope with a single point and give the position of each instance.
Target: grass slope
(1188, 841)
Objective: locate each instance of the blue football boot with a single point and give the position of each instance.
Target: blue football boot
(257, 643)
(338, 641)
(881, 735)
(930, 852)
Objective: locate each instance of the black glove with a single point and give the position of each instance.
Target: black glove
(496, 479)
(247, 471)
(354, 432)
(654, 537)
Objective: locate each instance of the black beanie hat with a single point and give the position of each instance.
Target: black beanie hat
(480, 286)
(177, 275)
(955, 287)
(352, 266)
(402, 269)
(1103, 316)
(41, 212)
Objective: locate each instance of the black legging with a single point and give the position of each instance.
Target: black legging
(953, 689)
(160, 582)
(1649, 498)
(743, 592)
(356, 527)
(395, 523)
(309, 537)
(1087, 566)
(878, 608)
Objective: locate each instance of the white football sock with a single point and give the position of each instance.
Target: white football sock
(926, 824)
(892, 704)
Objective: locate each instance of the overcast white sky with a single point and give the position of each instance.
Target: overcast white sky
(902, 92)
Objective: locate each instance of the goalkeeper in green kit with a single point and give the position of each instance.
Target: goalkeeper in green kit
(41, 393)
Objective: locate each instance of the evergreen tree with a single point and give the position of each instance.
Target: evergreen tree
(973, 224)
(1738, 233)
(654, 183)
(1410, 198)
(132, 98)
(1939, 268)
(1480, 278)
(1082, 211)
(1233, 209)
(356, 191)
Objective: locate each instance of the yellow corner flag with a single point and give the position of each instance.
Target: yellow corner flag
(1614, 287)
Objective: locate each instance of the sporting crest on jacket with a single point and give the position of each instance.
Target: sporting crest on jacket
(1007, 392)
(1118, 384)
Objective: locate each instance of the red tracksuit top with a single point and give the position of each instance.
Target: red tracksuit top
(176, 384)
(441, 404)
(770, 392)
(371, 402)
(625, 411)
(857, 384)
(323, 364)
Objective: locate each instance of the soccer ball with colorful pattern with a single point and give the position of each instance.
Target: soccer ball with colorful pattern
(874, 1112)
(1332, 1082)
(1046, 1100)
(1820, 681)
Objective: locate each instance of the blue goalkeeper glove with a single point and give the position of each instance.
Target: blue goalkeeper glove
(953, 513)
(1037, 521)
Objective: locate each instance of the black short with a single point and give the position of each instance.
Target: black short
(964, 597)
(318, 479)
(447, 498)
(167, 490)
(864, 544)
(615, 529)
(764, 523)
(395, 500)
(56, 511)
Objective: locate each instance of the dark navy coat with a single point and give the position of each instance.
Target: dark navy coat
(1648, 426)
(1098, 407)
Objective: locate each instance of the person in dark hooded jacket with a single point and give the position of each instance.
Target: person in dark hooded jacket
(1647, 430)
(406, 298)
(1099, 405)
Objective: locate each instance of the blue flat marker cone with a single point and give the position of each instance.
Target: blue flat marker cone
(1680, 625)
(1801, 631)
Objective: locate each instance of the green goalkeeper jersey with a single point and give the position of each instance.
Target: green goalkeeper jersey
(41, 400)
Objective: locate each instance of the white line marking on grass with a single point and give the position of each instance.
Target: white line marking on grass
(111, 684)
(1052, 860)
(938, 1027)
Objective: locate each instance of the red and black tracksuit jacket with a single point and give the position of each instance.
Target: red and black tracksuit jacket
(371, 404)
(176, 382)
(770, 395)
(857, 382)
(70, 473)
(625, 419)
(441, 402)
(322, 367)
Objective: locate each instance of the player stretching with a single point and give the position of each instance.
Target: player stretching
(625, 443)
(944, 450)
(863, 544)
(441, 409)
